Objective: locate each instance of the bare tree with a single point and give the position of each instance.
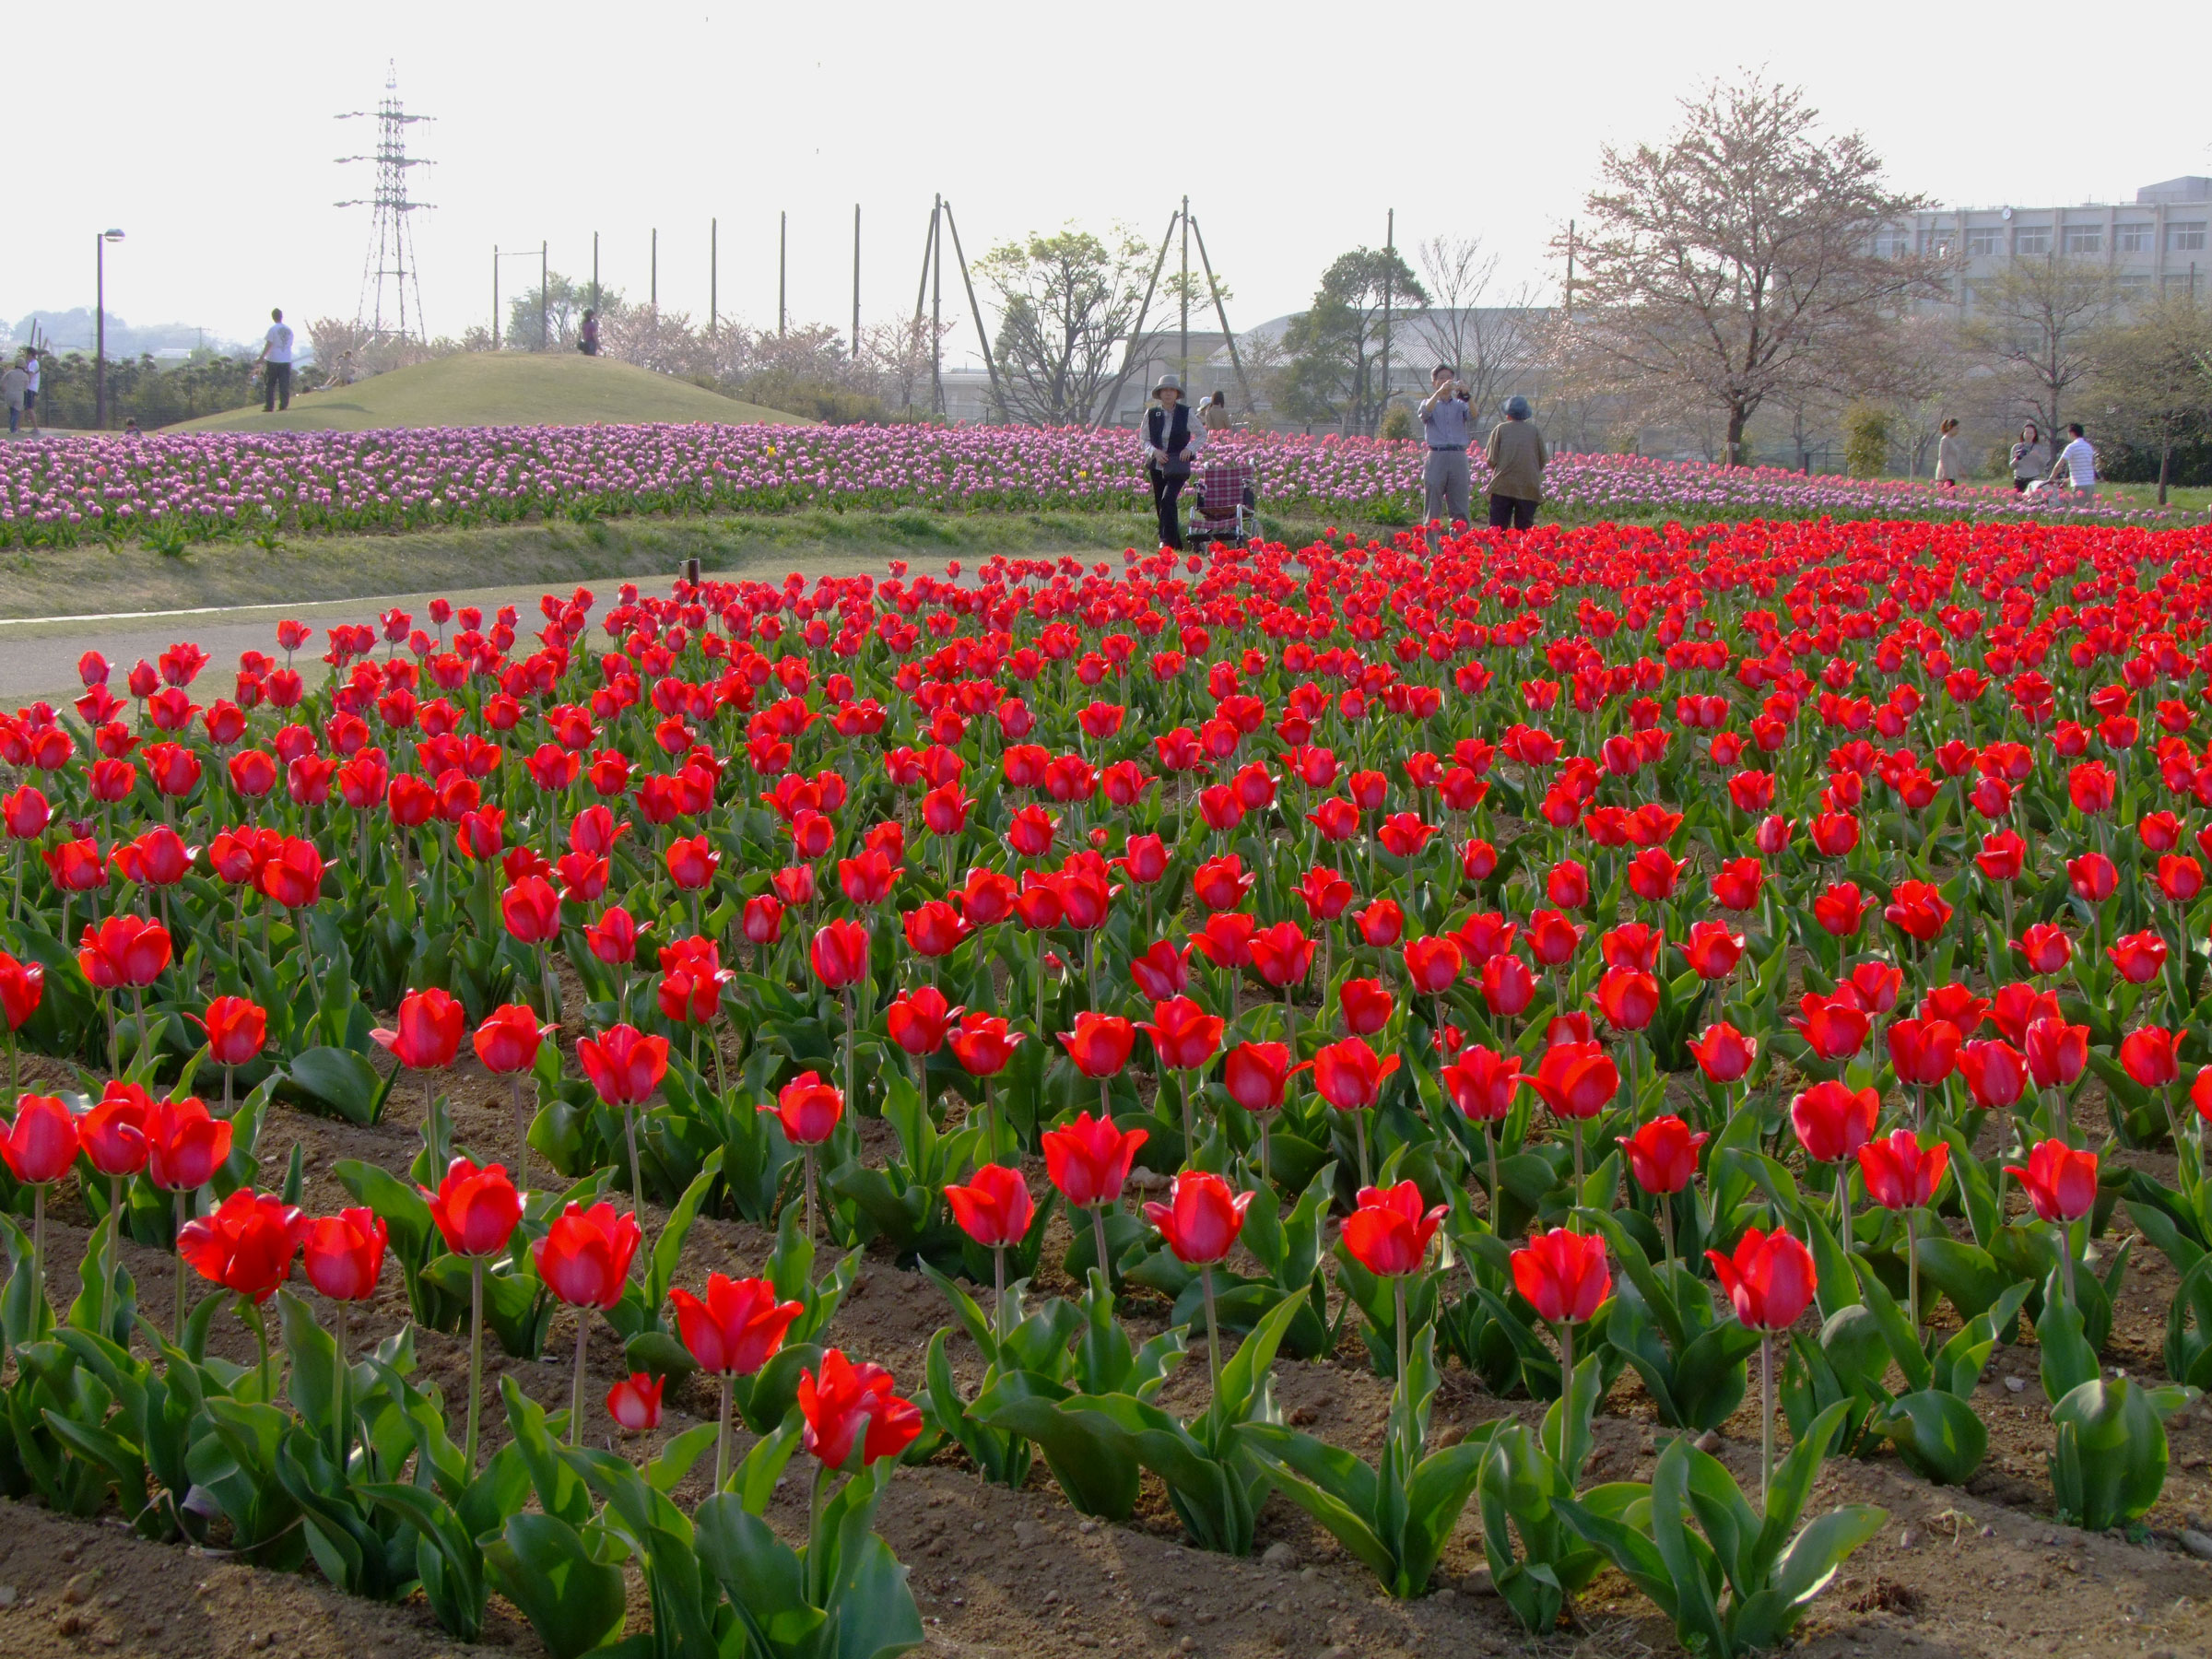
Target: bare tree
(1729, 264)
(2154, 378)
(1493, 345)
(2038, 320)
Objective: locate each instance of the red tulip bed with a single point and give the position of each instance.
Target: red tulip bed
(1743, 979)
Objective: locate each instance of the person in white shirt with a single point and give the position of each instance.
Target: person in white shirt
(30, 392)
(2077, 460)
(1950, 453)
(1168, 438)
(275, 360)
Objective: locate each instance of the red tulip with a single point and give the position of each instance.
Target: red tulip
(692, 862)
(1433, 964)
(344, 1254)
(1663, 1154)
(293, 874)
(1255, 1075)
(1840, 908)
(1900, 1173)
(429, 1027)
(995, 1208)
(1576, 1079)
(839, 954)
(475, 1209)
(1562, 1275)
(635, 1402)
(236, 1030)
(2138, 958)
(1628, 998)
(2147, 1057)
(508, 1040)
(2059, 1182)
(614, 937)
(1995, 1073)
(848, 1406)
(2057, 1051)
(246, 1245)
(808, 1109)
(22, 987)
(1769, 1278)
(1917, 909)
(1382, 923)
(985, 1045)
(530, 911)
(185, 1146)
(113, 1133)
(123, 950)
(1713, 949)
(1089, 1159)
(41, 1143)
(1100, 1045)
(584, 1257)
(624, 1065)
(1833, 1121)
(737, 1328)
(2093, 877)
(1481, 1082)
(1161, 971)
(1202, 1217)
(1365, 1005)
(1281, 955)
(1185, 1036)
(1389, 1233)
(1723, 1054)
(1924, 1051)
(918, 1020)
(1349, 1076)
(1875, 986)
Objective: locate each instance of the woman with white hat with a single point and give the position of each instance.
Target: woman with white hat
(1168, 439)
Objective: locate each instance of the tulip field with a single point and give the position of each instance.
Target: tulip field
(173, 491)
(1601, 1086)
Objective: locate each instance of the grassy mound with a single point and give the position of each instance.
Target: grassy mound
(498, 389)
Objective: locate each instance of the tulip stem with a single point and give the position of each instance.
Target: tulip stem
(1578, 1166)
(475, 1357)
(1566, 1330)
(1213, 1328)
(1360, 1137)
(1098, 1239)
(338, 1420)
(1398, 1293)
(37, 1238)
(107, 1265)
(721, 1441)
(807, 1159)
(1265, 1178)
(1666, 1236)
(852, 1098)
(522, 1132)
(176, 1328)
(630, 1135)
(1766, 1416)
(584, 1332)
(1843, 1204)
(998, 1279)
(1912, 1267)
(249, 1310)
(2065, 1258)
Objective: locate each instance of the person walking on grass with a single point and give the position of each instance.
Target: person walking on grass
(1951, 454)
(1517, 459)
(30, 392)
(587, 337)
(1446, 424)
(2027, 458)
(2077, 460)
(1168, 439)
(275, 361)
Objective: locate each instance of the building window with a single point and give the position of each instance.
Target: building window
(2084, 239)
(1981, 241)
(2181, 282)
(2185, 239)
(2032, 239)
(2133, 288)
(2132, 239)
(1936, 243)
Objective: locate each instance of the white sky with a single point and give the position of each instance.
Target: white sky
(205, 131)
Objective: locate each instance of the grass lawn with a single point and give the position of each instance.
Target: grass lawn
(93, 580)
(498, 389)
(2192, 499)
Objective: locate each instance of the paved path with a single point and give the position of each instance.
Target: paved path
(38, 655)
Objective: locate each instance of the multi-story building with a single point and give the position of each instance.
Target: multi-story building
(2158, 242)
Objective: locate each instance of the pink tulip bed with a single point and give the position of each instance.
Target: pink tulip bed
(1610, 1089)
(175, 491)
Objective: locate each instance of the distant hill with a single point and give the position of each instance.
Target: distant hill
(500, 388)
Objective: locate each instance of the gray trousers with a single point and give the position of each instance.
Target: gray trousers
(1444, 486)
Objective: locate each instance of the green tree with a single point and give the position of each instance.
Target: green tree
(1334, 346)
(1866, 441)
(566, 301)
(1065, 303)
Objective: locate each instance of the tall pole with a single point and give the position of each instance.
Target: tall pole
(713, 273)
(856, 279)
(545, 336)
(998, 397)
(1182, 365)
(1221, 312)
(99, 332)
(1104, 412)
(498, 334)
(1390, 260)
(782, 268)
(595, 270)
(1570, 307)
(652, 290)
(936, 309)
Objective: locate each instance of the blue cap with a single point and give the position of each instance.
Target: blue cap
(1516, 407)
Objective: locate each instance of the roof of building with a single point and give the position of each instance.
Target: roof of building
(2191, 187)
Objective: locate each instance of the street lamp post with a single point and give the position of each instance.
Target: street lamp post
(99, 327)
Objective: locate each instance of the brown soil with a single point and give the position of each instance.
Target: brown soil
(1969, 1572)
